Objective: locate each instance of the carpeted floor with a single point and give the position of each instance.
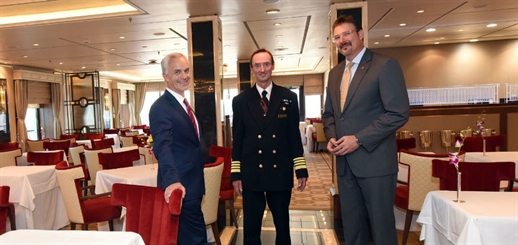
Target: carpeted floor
(316, 196)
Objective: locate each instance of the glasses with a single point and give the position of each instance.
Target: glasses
(344, 34)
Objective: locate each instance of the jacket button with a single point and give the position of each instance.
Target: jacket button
(274, 151)
(275, 166)
(259, 136)
(260, 152)
(260, 166)
(274, 136)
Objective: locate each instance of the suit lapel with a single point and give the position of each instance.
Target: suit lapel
(254, 106)
(362, 68)
(335, 87)
(179, 109)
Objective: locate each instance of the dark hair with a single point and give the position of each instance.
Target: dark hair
(347, 19)
(261, 51)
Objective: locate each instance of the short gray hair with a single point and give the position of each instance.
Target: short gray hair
(167, 58)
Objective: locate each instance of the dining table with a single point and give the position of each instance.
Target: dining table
(482, 218)
(139, 175)
(495, 156)
(34, 190)
(70, 237)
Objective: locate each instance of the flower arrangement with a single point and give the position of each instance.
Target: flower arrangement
(480, 124)
(149, 144)
(454, 156)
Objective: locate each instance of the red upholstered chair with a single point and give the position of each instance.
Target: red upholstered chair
(147, 131)
(475, 144)
(6, 210)
(140, 140)
(319, 136)
(410, 197)
(111, 131)
(226, 191)
(45, 157)
(476, 176)
(83, 209)
(209, 205)
(92, 136)
(128, 141)
(55, 145)
(143, 126)
(405, 144)
(71, 137)
(148, 214)
(9, 157)
(9, 146)
(121, 159)
(36, 145)
(102, 143)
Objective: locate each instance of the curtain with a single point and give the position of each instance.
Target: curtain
(116, 100)
(22, 94)
(57, 104)
(140, 96)
(131, 108)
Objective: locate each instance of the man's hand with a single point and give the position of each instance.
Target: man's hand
(170, 189)
(302, 184)
(238, 187)
(343, 146)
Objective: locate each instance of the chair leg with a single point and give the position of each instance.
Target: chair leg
(110, 224)
(215, 231)
(84, 227)
(233, 218)
(12, 218)
(408, 222)
(72, 226)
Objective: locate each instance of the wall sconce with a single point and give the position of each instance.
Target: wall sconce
(3, 92)
(106, 101)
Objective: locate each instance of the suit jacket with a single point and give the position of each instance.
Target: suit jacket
(267, 148)
(376, 106)
(176, 146)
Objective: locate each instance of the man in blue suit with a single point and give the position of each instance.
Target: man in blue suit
(177, 147)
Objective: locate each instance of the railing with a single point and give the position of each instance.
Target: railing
(478, 94)
(511, 92)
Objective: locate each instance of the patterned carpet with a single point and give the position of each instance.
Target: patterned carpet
(316, 196)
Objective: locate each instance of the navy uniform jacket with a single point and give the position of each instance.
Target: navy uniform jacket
(266, 149)
(176, 147)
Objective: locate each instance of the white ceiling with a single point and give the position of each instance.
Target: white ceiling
(94, 42)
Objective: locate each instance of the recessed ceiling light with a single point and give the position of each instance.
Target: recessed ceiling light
(430, 30)
(158, 33)
(112, 49)
(461, 30)
(436, 42)
(492, 25)
(36, 45)
(84, 67)
(441, 38)
(118, 64)
(277, 24)
(122, 37)
(272, 11)
(402, 24)
(376, 42)
(420, 11)
(25, 56)
(387, 35)
(473, 40)
(61, 63)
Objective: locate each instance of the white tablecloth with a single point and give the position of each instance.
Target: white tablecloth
(302, 129)
(35, 193)
(484, 218)
(85, 142)
(138, 175)
(70, 237)
(22, 161)
(309, 136)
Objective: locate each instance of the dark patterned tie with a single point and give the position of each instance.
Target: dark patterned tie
(264, 102)
(191, 116)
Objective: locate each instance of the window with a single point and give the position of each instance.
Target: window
(313, 106)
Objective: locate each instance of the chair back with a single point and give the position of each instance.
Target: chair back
(420, 180)
(69, 185)
(148, 214)
(140, 140)
(75, 154)
(36, 145)
(143, 126)
(212, 175)
(9, 157)
(147, 131)
(319, 129)
(45, 157)
(476, 176)
(92, 161)
(405, 144)
(70, 136)
(149, 158)
(9, 146)
(93, 136)
(127, 141)
(475, 144)
(111, 131)
(121, 159)
(4, 205)
(102, 143)
(56, 145)
(226, 153)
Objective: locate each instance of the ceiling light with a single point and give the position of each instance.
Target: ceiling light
(84, 67)
(277, 24)
(436, 42)
(376, 42)
(461, 30)
(25, 56)
(35, 45)
(402, 24)
(473, 40)
(492, 25)
(112, 49)
(158, 33)
(118, 64)
(272, 11)
(61, 63)
(420, 11)
(430, 30)
(387, 35)
(122, 37)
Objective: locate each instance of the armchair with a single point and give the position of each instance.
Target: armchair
(209, 205)
(36, 145)
(121, 159)
(9, 146)
(102, 143)
(148, 214)
(55, 145)
(92, 162)
(6, 210)
(9, 157)
(475, 144)
(45, 157)
(83, 209)
(226, 191)
(127, 141)
(93, 136)
(405, 144)
(319, 136)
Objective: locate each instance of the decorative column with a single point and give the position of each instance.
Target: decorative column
(205, 57)
(244, 77)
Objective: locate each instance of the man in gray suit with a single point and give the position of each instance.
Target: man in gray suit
(361, 133)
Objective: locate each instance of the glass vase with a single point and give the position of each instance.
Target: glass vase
(483, 147)
(459, 200)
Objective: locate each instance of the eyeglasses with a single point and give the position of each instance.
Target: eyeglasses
(344, 34)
